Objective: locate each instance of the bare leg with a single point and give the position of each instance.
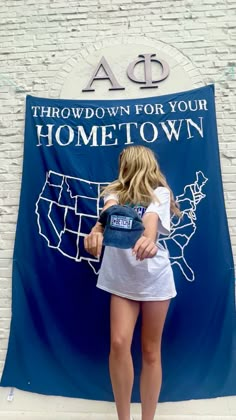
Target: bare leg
(124, 314)
(153, 319)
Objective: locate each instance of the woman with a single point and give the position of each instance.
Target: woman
(143, 279)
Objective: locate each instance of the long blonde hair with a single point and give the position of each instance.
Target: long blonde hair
(139, 175)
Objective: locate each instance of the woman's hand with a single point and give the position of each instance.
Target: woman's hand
(93, 241)
(144, 248)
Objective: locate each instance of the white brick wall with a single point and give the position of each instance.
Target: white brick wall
(37, 38)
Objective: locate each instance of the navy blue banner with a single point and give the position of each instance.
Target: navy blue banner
(59, 338)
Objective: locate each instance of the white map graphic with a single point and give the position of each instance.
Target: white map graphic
(182, 230)
(64, 224)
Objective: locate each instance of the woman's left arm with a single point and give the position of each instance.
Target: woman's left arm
(93, 241)
(145, 246)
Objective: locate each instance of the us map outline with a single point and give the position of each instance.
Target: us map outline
(63, 198)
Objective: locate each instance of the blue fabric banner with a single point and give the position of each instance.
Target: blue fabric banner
(59, 338)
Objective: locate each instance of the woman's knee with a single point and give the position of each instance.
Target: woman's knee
(151, 355)
(119, 346)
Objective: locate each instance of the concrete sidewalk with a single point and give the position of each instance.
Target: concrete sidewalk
(31, 406)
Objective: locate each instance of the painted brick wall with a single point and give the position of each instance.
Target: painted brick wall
(37, 38)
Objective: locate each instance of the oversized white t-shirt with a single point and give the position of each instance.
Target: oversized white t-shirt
(151, 279)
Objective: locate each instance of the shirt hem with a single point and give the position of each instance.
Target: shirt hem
(137, 298)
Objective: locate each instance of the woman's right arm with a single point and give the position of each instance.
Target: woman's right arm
(93, 241)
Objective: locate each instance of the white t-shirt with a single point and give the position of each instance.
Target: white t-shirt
(151, 279)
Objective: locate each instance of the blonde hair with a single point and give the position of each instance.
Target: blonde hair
(139, 175)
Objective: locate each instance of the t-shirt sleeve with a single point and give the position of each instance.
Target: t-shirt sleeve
(110, 197)
(162, 208)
